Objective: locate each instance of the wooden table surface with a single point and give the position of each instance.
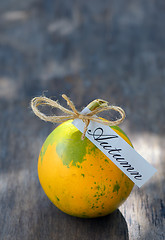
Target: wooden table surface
(114, 50)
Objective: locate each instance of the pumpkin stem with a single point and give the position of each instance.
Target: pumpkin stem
(97, 103)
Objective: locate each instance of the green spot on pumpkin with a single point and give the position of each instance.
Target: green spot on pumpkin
(120, 130)
(106, 161)
(92, 149)
(49, 141)
(82, 174)
(71, 149)
(122, 199)
(57, 199)
(127, 185)
(84, 215)
(116, 187)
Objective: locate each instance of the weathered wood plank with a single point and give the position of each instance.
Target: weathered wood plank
(113, 50)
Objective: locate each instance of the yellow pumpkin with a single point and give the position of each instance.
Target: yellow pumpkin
(77, 177)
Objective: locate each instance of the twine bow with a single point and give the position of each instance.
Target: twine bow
(71, 115)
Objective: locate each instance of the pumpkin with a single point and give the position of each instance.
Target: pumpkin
(77, 177)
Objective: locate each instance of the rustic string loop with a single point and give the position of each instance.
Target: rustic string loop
(71, 115)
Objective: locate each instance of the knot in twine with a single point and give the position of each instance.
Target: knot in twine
(71, 115)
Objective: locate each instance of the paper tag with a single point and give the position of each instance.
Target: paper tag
(117, 150)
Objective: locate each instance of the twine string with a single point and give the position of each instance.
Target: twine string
(71, 115)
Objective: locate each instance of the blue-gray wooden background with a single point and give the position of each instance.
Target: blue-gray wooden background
(114, 50)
